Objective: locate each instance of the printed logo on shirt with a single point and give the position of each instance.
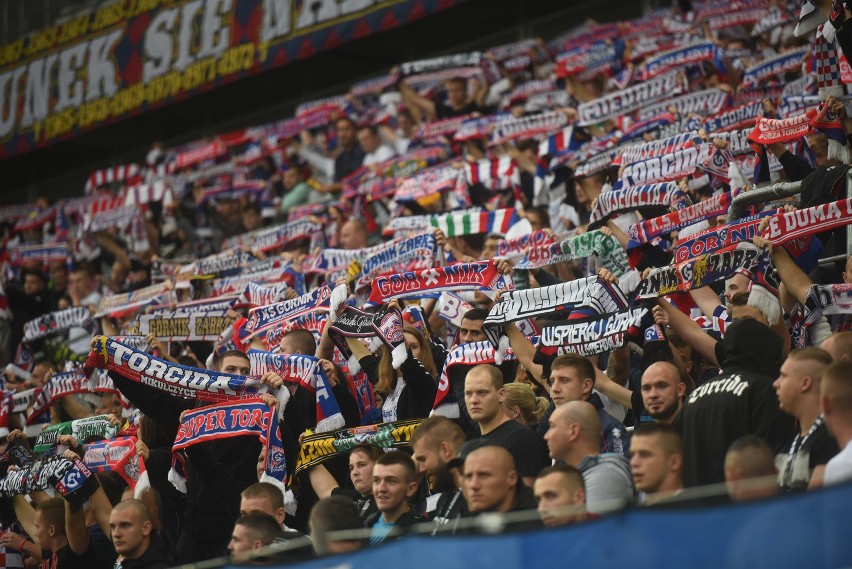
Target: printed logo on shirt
(733, 384)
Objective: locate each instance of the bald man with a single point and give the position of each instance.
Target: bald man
(491, 483)
(354, 234)
(134, 538)
(750, 469)
(574, 438)
(836, 391)
(811, 447)
(660, 398)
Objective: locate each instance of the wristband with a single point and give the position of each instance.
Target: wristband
(21, 544)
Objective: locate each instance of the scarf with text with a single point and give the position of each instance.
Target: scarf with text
(119, 455)
(305, 372)
(455, 224)
(701, 271)
(630, 99)
(436, 131)
(475, 128)
(226, 263)
(590, 60)
(464, 356)
(44, 254)
(319, 447)
(133, 300)
(606, 249)
(680, 57)
(250, 417)
(270, 238)
(185, 381)
(665, 168)
(778, 65)
(595, 335)
(769, 131)
(739, 117)
(71, 478)
(649, 229)
(719, 238)
(786, 226)
(515, 248)
(185, 326)
(385, 326)
(84, 430)
(232, 286)
(450, 62)
(413, 253)
(428, 184)
(479, 275)
(531, 126)
(705, 103)
(52, 322)
(259, 295)
(621, 201)
(264, 318)
(65, 384)
(655, 148)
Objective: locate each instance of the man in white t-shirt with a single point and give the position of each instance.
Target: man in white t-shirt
(371, 143)
(836, 392)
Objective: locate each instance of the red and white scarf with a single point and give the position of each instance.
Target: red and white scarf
(479, 275)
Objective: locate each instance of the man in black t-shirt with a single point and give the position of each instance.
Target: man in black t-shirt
(361, 462)
(62, 536)
(798, 390)
(483, 396)
(458, 103)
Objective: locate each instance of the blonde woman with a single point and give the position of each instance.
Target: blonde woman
(522, 405)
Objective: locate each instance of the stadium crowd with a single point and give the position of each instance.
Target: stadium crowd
(536, 280)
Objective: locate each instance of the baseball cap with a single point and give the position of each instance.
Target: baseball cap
(466, 449)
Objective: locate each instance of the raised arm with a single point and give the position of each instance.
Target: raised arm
(689, 331)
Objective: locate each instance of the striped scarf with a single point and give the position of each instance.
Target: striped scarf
(44, 254)
(608, 251)
(650, 229)
(705, 103)
(679, 57)
(627, 100)
(186, 381)
(64, 384)
(71, 478)
(455, 224)
(251, 417)
(429, 184)
(84, 430)
(264, 318)
(384, 327)
(654, 148)
(784, 227)
(774, 66)
(530, 126)
(305, 372)
(259, 295)
(739, 117)
(516, 248)
(119, 455)
(620, 201)
(497, 174)
(718, 238)
(479, 275)
(134, 300)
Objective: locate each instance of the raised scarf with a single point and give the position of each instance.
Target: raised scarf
(452, 308)
(44, 254)
(35, 220)
(608, 251)
(594, 335)
(425, 185)
(649, 229)
(305, 372)
(778, 65)
(84, 430)
(232, 286)
(226, 420)
(621, 201)
(416, 252)
(185, 326)
(385, 326)
(119, 455)
(222, 264)
(436, 131)
(718, 238)
(186, 381)
(129, 173)
(319, 447)
(455, 224)
(739, 117)
(516, 248)
(630, 99)
(679, 57)
(654, 148)
(464, 356)
(567, 139)
(270, 238)
(71, 478)
(498, 174)
(68, 383)
(53, 322)
(665, 168)
(264, 318)
(701, 271)
(133, 300)
(786, 226)
(705, 103)
(529, 126)
(475, 128)
(259, 295)
(479, 275)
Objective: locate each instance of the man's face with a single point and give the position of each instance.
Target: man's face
(368, 141)
(78, 284)
(33, 285)
(42, 528)
(552, 492)
(737, 283)
(483, 400)
(345, 133)
(38, 374)
(489, 251)
(471, 331)
(847, 271)
(391, 487)
(487, 483)
(110, 403)
(661, 393)
(129, 533)
(236, 365)
(251, 219)
(788, 386)
(427, 458)
(457, 92)
(351, 237)
(558, 436)
(260, 505)
(567, 385)
(291, 178)
(361, 472)
(649, 462)
(241, 541)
